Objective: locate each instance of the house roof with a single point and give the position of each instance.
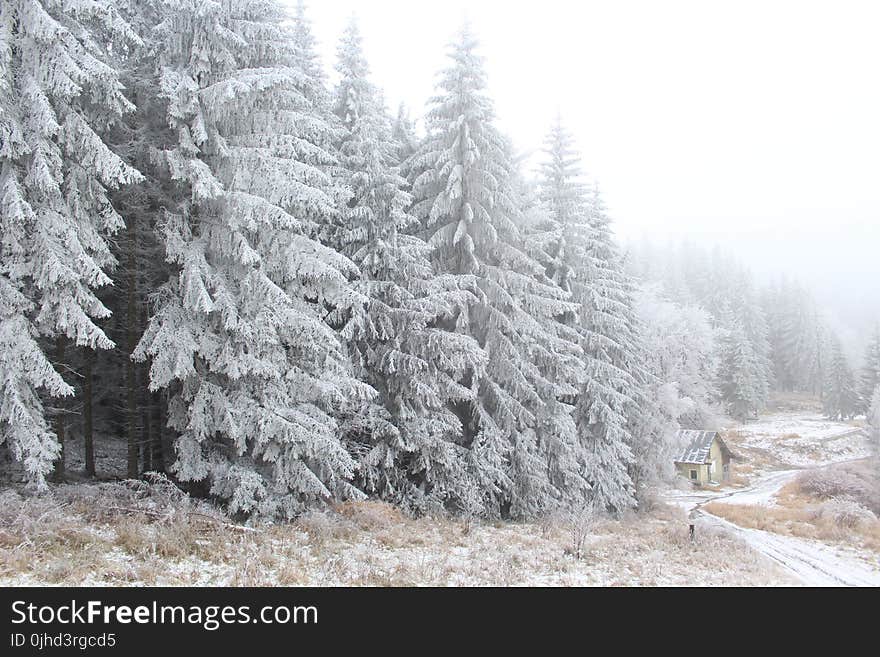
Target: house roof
(697, 445)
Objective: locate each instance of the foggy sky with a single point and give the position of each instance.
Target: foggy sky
(751, 124)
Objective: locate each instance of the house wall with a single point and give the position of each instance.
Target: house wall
(716, 456)
(684, 469)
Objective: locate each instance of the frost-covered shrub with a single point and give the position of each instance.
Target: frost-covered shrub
(580, 523)
(323, 526)
(155, 495)
(837, 483)
(845, 513)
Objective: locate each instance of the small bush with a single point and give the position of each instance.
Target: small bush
(370, 515)
(580, 523)
(844, 513)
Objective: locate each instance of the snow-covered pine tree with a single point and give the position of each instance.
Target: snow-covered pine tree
(403, 131)
(614, 402)
(840, 400)
(58, 94)
(681, 352)
(255, 375)
(739, 383)
(870, 373)
(409, 451)
(795, 335)
(874, 422)
(466, 198)
(816, 353)
(754, 325)
(560, 467)
(563, 220)
(566, 197)
(306, 48)
(582, 259)
(327, 132)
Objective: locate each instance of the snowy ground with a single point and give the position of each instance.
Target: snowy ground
(814, 563)
(116, 533)
(796, 440)
(778, 448)
(91, 535)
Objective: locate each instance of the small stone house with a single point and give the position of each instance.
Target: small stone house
(704, 458)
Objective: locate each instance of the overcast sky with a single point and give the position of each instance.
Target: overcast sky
(753, 124)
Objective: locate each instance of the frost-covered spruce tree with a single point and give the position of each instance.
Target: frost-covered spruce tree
(410, 452)
(739, 381)
(874, 422)
(58, 93)
(403, 131)
(306, 46)
(680, 352)
(754, 325)
(795, 337)
(840, 399)
(255, 375)
(583, 260)
(558, 470)
(588, 265)
(614, 401)
(466, 199)
(870, 373)
(559, 240)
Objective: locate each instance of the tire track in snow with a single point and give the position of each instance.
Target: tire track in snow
(813, 564)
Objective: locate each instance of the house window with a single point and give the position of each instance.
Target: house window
(693, 474)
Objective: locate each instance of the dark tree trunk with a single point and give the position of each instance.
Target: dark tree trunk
(131, 378)
(146, 416)
(158, 444)
(147, 440)
(58, 473)
(88, 437)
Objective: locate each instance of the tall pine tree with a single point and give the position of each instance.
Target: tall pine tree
(840, 400)
(870, 373)
(470, 208)
(411, 453)
(583, 260)
(256, 377)
(58, 95)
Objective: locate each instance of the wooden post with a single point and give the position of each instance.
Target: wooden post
(691, 531)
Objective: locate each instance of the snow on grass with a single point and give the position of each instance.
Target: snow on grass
(74, 537)
(795, 440)
(821, 522)
(815, 563)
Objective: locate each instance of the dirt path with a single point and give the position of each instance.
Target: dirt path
(812, 562)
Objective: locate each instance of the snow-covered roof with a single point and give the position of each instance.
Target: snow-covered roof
(697, 445)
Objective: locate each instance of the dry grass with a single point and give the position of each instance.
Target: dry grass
(134, 533)
(836, 504)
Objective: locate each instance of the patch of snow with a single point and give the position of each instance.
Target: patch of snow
(803, 440)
